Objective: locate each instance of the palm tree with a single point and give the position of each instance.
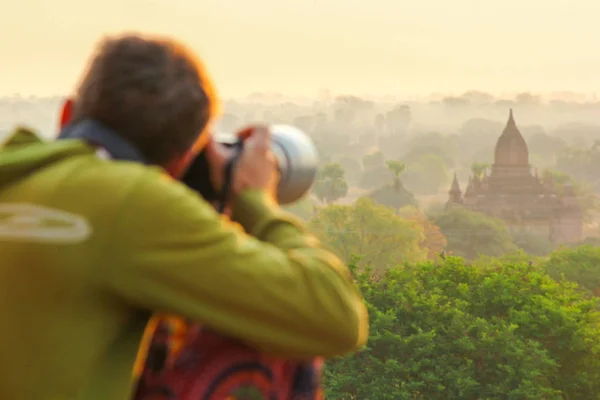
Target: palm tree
(396, 168)
(477, 169)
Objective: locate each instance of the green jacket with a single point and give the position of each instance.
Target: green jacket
(90, 247)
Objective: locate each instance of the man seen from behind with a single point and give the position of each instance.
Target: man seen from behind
(91, 246)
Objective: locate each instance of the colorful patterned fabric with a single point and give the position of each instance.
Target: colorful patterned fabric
(189, 362)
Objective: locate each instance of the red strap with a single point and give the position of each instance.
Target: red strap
(67, 113)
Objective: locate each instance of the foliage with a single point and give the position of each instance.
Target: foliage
(448, 330)
(478, 169)
(396, 168)
(578, 264)
(435, 241)
(545, 145)
(517, 256)
(373, 160)
(471, 234)
(302, 208)
(391, 197)
(590, 241)
(374, 178)
(586, 198)
(481, 154)
(582, 163)
(531, 243)
(371, 230)
(427, 175)
(436, 149)
(331, 184)
(353, 169)
(435, 208)
(398, 118)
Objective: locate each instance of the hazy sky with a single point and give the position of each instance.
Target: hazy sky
(300, 46)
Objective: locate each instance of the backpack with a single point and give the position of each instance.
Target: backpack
(187, 361)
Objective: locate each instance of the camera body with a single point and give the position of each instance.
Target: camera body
(297, 160)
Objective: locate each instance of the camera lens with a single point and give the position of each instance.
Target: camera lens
(297, 161)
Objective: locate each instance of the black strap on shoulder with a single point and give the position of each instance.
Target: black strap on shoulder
(97, 133)
(228, 177)
(121, 149)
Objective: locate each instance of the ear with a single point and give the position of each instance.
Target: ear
(66, 113)
(177, 167)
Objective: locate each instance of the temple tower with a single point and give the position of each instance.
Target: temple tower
(515, 194)
(455, 194)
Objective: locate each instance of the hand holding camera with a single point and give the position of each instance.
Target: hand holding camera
(256, 167)
(279, 159)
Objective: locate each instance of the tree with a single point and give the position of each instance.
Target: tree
(579, 264)
(536, 245)
(471, 234)
(393, 195)
(355, 103)
(396, 168)
(321, 121)
(452, 102)
(388, 196)
(478, 169)
(586, 198)
(478, 98)
(346, 109)
(479, 132)
(435, 241)
(582, 164)
(527, 98)
(444, 150)
(376, 173)
(331, 184)
(545, 145)
(398, 119)
(305, 122)
(373, 160)
(371, 230)
(302, 208)
(449, 330)
(427, 175)
(344, 116)
(353, 169)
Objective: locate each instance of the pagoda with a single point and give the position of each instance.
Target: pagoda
(513, 192)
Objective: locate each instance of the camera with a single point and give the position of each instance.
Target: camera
(297, 160)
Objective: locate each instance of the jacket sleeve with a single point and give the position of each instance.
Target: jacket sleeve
(279, 289)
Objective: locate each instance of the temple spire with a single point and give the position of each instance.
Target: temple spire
(511, 149)
(455, 194)
(511, 124)
(455, 188)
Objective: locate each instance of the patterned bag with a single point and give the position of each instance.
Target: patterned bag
(189, 362)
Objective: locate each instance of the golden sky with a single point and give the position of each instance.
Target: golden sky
(300, 46)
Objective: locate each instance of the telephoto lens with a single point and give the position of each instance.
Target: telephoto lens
(297, 160)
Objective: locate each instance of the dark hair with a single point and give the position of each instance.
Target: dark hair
(152, 91)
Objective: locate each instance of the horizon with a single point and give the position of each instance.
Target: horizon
(544, 97)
